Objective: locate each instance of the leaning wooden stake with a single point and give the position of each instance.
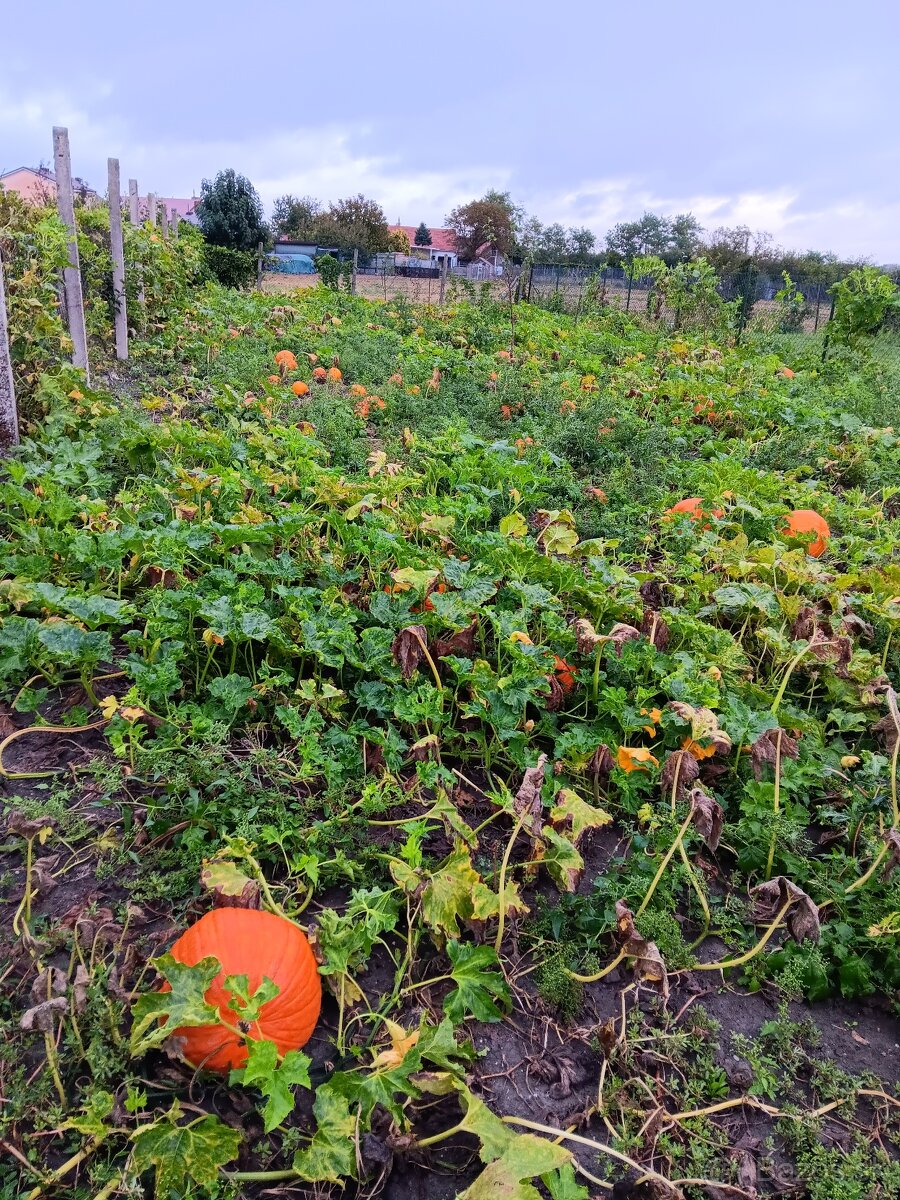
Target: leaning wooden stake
(117, 250)
(9, 417)
(72, 273)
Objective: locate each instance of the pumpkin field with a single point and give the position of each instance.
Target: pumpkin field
(449, 752)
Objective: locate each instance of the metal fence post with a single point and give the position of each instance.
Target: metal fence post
(72, 273)
(630, 281)
(530, 278)
(9, 417)
(443, 284)
(117, 252)
(259, 265)
(353, 271)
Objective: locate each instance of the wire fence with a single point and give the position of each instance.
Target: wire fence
(794, 314)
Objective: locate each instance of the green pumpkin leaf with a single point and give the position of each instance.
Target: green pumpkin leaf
(481, 991)
(562, 1184)
(158, 1014)
(244, 1003)
(274, 1079)
(508, 1177)
(331, 1155)
(563, 862)
(181, 1153)
(513, 525)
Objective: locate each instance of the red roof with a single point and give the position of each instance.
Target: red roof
(441, 239)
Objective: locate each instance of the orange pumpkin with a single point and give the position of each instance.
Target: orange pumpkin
(320, 374)
(335, 375)
(564, 674)
(286, 360)
(805, 521)
(357, 389)
(693, 507)
(257, 944)
(396, 379)
(300, 388)
(274, 379)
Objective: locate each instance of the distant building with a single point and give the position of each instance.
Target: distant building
(442, 248)
(36, 185)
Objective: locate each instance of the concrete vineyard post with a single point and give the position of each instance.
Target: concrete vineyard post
(9, 417)
(173, 223)
(164, 221)
(74, 300)
(134, 202)
(151, 208)
(117, 251)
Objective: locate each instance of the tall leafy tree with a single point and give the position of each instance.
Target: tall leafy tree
(490, 221)
(230, 212)
(297, 217)
(423, 235)
(356, 224)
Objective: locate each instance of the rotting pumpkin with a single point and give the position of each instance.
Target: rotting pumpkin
(259, 945)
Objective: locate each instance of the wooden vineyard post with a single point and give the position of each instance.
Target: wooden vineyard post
(74, 300)
(117, 250)
(134, 215)
(353, 272)
(134, 203)
(9, 417)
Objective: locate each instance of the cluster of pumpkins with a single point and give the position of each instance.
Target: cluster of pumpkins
(802, 522)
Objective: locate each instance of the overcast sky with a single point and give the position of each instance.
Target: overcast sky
(783, 115)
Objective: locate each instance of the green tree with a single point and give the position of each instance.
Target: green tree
(862, 300)
(423, 235)
(298, 218)
(490, 220)
(580, 244)
(355, 224)
(230, 212)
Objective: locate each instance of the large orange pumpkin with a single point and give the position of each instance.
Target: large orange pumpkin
(693, 508)
(300, 388)
(257, 944)
(806, 521)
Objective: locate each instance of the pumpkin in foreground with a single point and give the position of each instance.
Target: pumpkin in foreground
(806, 521)
(259, 945)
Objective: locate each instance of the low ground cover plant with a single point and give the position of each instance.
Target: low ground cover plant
(494, 649)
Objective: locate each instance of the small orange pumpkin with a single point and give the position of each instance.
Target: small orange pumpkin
(320, 374)
(692, 507)
(335, 375)
(300, 388)
(806, 521)
(357, 389)
(286, 360)
(260, 945)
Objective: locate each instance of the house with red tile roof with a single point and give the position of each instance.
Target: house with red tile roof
(37, 185)
(442, 248)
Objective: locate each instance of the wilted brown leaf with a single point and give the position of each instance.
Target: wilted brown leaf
(407, 648)
(528, 797)
(649, 964)
(587, 636)
(709, 817)
(765, 749)
(679, 770)
(601, 763)
(461, 643)
(655, 629)
(892, 837)
(802, 918)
